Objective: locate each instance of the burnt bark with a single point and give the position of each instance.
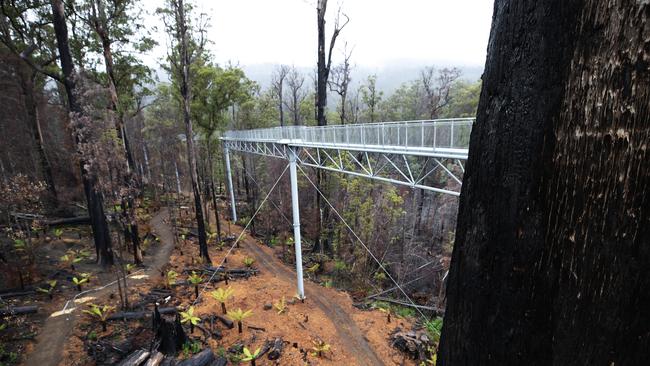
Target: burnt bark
(551, 264)
(189, 133)
(101, 234)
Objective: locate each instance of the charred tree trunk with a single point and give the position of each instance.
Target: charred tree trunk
(551, 264)
(94, 199)
(169, 335)
(31, 106)
(213, 193)
(322, 69)
(189, 133)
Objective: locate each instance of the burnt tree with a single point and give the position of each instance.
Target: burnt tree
(101, 234)
(551, 264)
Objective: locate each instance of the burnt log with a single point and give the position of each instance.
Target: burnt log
(7, 295)
(274, 348)
(136, 358)
(225, 321)
(203, 358)
(413, 344)
(79, 220)
(169, 334)
(131, 315)
(219, 362)
(155, 359)
(19, 310)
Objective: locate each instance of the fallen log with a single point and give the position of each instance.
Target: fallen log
(225, 321)
(131, 315)
(19, 310)
(155, 359)
(136, 358)
(7, 295)
(203, 358)
(219, 362)
(79, 220)
(436, 311)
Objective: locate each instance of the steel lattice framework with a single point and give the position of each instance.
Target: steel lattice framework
(405, 153)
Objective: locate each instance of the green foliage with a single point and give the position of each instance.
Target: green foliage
(281, 305)
(222, 296)
(239, 315)
(319, 348)
(195, 279)
(58, 232)
(170, 278)
(188, 316)
(100, 312)
(340, 266)
(434, 329)
(190, 348)
(248, 262)
(250, 356)
(129, 267)
(50, 289)
(20, 245)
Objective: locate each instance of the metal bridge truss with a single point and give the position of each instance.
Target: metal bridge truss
(405, 153)
(409, 169)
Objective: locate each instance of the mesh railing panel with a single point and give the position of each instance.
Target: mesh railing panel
(416, 135)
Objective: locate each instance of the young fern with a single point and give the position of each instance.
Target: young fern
(100, 312)
(247, 355)
(195, 279)
(170, 279)
(189, 317)
(78, 281)
(50, 290)
(248, 262)
(319, 348)
(281, 305)
(222, 296)
(239, 315)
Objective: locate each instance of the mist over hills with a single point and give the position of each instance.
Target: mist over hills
(389, 77)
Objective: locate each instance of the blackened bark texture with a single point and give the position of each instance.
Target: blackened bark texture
(101, 234)
(189, 134)
(322, 69)
(27, 76)
(551, 264)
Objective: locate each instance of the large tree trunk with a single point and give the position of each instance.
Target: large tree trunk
(321, 70)
(128, 207)
(27, 76)
(189, 134)
(551, 264)
(94, 199)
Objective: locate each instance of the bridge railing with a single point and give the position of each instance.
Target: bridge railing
(426, 135)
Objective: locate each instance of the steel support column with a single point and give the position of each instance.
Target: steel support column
(296, 219)
(226, 155)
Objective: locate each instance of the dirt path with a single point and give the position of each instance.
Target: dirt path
(58, 327)
(351, 336)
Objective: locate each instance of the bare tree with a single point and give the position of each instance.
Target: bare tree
(295, 81)
(371, 97)
(437, 88)
(184, 52)
(341, 80)
(277, 86)
(323, 64)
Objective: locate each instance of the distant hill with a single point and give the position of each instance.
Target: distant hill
(389, 78)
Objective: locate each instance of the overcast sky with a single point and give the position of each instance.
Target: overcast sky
(383, 32)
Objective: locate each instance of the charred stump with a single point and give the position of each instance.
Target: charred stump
(169, 334)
